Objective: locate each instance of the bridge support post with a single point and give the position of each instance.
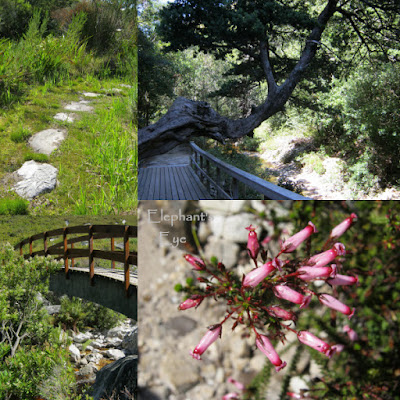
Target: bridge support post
(91, 258)
(126, 260)
(65, 234)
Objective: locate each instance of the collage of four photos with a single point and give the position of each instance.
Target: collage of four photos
(199, 200)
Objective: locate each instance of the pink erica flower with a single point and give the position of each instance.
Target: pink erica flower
(320, 260)
(214, 332)
(257, 275)
(231, 396)
(351, 333)
(196, 262)
(266, 347)
(335, 304)
(280, 313)
(316, 343)
(295, 395)
(253, 247)
(343, 226)
(341, 280)
(190, 303)
(286, 293)
(238, 384)
(311, 273)
(296, 240)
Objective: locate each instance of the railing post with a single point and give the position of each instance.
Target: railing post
(65, 233)
(46, 253)
(208, 173)
(126, 260)
(235, 189)
(91, 258)
(72, 259)
(112, 249)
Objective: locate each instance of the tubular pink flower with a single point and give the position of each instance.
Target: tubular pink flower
(238, 384)
(190, 303)
(196, 262)
(294, 395)
(311, 273)
(214, 332)
(316, 343)
(253, 247)
(320, 260)
(296, 240)
(351, 333)
(266, 347)
(343, 226)
(286, 293)
(257, 275)
(341, 280)
(231, 396)
(335, 304)
(280, 313)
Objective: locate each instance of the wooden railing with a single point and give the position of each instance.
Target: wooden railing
(202, 162)
(91, 233)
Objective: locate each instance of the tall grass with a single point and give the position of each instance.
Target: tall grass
(37, 58)
(114, 151)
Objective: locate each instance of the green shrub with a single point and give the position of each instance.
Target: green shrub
(77, 313)
(13, 207)
(20, 135)
(313, 162)
(363, 123)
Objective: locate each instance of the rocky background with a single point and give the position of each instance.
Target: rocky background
(167, 335)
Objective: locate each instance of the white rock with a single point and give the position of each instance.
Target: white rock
(65, 117)
(115, 354)
(94, 357)
(37, 178)
(234, 227)
(78, 106)
(74, 353)
(90, 94)
(47, 141)
(82, 337)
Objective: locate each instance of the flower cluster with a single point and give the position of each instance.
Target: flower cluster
(259, 298)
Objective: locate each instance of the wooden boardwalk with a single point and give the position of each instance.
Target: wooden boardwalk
(170, 182)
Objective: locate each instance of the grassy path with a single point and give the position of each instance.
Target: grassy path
(96, 162)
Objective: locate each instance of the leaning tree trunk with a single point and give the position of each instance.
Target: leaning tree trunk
(187, 119)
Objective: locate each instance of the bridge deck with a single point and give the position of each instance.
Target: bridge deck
(170, 183)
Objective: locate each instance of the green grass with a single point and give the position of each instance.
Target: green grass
(96, 163)
(13, 207)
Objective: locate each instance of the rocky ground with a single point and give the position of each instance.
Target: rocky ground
(106, 361)
(328, 186)
(167, 335)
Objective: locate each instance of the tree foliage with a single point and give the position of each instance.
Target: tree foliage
(285, 44)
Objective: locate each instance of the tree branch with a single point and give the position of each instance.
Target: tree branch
(310, 48)
(266, 64)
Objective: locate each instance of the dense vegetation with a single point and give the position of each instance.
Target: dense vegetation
(50, 52)
(345, 104)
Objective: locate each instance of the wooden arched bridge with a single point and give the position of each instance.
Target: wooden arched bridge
(113, 286)
(200, 176)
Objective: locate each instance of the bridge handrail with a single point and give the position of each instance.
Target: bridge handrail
(267, 189)
(92, 232)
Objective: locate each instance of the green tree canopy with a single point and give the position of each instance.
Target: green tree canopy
(280, 42)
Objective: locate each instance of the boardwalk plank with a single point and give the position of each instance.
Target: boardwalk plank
(170, 183)
(174, 189)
